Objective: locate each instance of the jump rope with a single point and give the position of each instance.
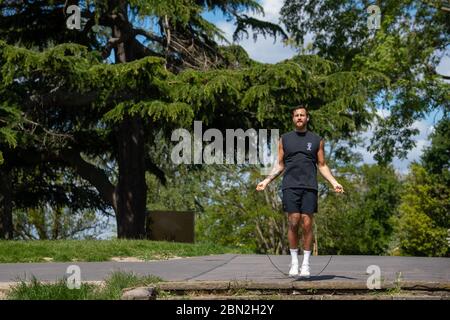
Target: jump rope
(267, 255)
(273, 264)
(287, 275)
(295, 278)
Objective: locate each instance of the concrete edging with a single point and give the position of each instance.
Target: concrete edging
(299, 285)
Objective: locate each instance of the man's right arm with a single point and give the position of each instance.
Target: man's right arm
(278, 168)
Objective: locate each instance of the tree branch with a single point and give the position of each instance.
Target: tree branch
(66, 99)
(154, 169)
(148, 34)
(94, 175)
(142, 51)
(97, 177)
(35, 125)
(112, 43)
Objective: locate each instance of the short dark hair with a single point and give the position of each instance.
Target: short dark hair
(300, 106)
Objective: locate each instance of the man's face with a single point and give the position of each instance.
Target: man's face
(299, 118)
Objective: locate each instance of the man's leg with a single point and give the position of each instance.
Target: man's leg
(307, 237)
(294, 221)
(307, 230)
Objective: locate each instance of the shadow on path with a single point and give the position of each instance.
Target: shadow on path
(323, 277)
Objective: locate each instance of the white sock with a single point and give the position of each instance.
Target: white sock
(306, 255)
(294, 256)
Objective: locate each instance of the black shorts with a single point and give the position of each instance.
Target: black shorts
(300, 200)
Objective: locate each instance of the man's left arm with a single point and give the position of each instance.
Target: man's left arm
(325, 170)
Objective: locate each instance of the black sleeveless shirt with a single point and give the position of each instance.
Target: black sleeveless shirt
(300, 159)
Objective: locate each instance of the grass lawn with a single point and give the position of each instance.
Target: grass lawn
(104, 250)
(111, 290)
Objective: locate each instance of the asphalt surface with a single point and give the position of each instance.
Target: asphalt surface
(229, 267)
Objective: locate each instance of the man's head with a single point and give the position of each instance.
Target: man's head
(300, 117)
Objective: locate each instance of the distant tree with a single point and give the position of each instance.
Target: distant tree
(50, 203)
(359, 221)
(423, 221)
(235, 215)
(436, 157)
(56, 223)
(424, 217)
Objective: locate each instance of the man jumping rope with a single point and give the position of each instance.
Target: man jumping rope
(300, 152)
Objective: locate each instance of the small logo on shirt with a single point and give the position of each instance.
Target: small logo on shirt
(308, 146)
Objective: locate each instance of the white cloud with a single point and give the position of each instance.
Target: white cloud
(383, 112)
(272, 10)
(263, 50)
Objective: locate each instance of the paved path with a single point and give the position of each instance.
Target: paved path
(229, 267)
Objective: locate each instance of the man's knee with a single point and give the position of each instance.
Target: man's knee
(294, 224)
(307, 222)
(294, 221)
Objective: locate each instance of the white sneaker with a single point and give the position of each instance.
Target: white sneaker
(294, 270)
(304, 271)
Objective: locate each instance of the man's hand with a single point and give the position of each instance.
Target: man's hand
(262, 185)
(338, 188)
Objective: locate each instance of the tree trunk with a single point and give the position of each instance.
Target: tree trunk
(131, 190)
(6, 221)
(131, 187)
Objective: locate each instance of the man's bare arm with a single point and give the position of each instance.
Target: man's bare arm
(325, 170)
(278, 168)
